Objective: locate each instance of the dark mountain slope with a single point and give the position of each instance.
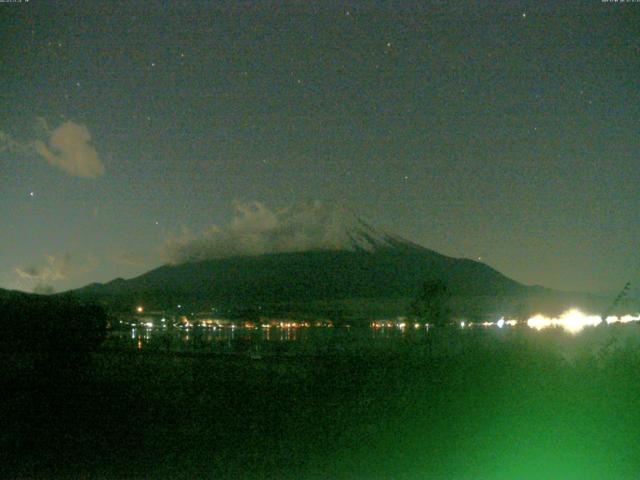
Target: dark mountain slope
(392, 271)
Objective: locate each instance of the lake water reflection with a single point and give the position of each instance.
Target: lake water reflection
(261, 341)
(281, 340)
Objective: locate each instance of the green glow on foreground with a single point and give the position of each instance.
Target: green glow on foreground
(518, 413)
(522, 404)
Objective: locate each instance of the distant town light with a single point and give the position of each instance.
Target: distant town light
(140, 309)
(573, 321)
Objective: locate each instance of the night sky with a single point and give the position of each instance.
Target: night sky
(500, 131)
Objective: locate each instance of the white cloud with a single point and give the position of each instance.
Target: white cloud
(128, 258)
(70, 150)
(257, 229)
(56, 267)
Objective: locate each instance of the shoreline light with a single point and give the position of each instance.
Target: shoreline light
(574, 321)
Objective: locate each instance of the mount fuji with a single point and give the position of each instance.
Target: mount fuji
(295, 258)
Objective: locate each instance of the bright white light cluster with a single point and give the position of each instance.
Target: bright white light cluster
(623, 319)
(500, 323)
(573, 321)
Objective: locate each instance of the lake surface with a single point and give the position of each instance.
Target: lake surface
(282, 340)
(313, 341)
(572, 328)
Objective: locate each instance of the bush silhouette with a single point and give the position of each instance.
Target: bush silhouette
(60, 330)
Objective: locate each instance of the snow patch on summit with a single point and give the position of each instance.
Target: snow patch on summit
(256, 230)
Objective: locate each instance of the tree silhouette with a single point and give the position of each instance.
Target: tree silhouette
(431, 305)
(59, 330)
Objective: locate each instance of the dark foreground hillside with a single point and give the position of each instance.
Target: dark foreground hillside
(54, 326)
(514, 409)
